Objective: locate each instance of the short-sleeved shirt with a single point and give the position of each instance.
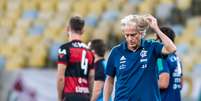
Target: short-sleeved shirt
(135, 71)
(172, 65)
(99, 67)
(78, 60)
(100, 75)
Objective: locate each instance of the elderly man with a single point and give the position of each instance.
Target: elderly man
(133, 62)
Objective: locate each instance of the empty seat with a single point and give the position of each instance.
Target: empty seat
(30, 14)
(2, 62)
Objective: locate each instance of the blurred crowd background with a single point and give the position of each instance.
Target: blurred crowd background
(32, 30)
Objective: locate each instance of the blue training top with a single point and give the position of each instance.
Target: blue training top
(135, 71)
(172, 65)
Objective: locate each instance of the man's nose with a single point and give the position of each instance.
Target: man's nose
(129, 37)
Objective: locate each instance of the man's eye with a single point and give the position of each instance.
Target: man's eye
(132, 35)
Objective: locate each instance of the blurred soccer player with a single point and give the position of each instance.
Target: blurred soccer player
(133, 62)
(99, 48)
(75, 63)
(170, 72)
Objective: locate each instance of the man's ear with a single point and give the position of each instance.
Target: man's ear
(96, 55)
(82, 31)
(67, 29)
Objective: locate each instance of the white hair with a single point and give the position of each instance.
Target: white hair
(139, 21)
(128, 20)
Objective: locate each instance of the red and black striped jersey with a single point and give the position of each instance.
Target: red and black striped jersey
(79, 60)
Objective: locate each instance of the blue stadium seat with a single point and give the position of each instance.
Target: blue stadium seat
(198, 32)
(163, 11)
(135, 2)
(30, 14)
(36, 30)
(110, 15)
(178, 29)
(53, 51)
(183, 48)
(91, 20)
(2, 62)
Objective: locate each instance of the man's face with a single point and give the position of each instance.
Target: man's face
(132, 36)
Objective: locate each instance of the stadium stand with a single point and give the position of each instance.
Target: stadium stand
(32, 30)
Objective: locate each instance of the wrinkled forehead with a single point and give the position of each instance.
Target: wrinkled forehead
(129, 28)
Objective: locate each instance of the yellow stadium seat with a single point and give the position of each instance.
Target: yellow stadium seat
(88, 32)
(54, 14)
(57, 23)
(146, 7)
(8, 23)
(117, 30)
(65, 6)
(112, 5)
(104, 2)
(12, 5)
(38, 56)
(16, 62)
(2, 5)
(188, 34)
(61, 37)
(197, 42)
(13, 15)
(127, 9)
(48, 5)
(196, 55)
(183, 4)
(30, 4)
(1, 46)
(31, 41)
(11, 46)
(187, 63)
(166, 1)
(7, 50)
(120, 3)
(20, 33)
(51, 33)
(81, 7)
(5, 32)
(45, 15)
(193, 23)
(23, 24)
(96, 7)
(183, 39)
(100, 33)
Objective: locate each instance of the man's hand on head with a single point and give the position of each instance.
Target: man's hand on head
(152, 21)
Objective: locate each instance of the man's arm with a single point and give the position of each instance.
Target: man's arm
(163, 81)
(60, 80)
(91, 80)
(108, 87)
(99, 80)
(98, 86)
(169, 46)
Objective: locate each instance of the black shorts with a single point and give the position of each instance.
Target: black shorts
(76, 97)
